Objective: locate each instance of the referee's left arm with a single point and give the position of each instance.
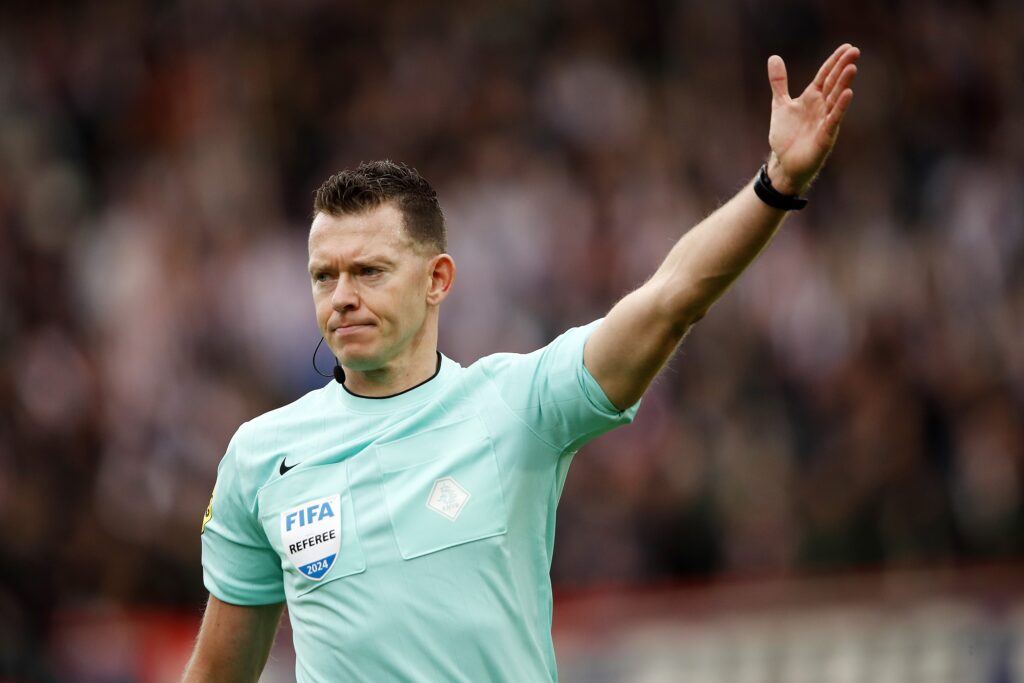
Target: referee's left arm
(641, 332)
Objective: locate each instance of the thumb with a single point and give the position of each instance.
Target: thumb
(777, 78)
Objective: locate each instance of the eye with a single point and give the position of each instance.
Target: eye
(369, 271)
(321, 276)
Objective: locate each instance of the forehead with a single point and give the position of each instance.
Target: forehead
(376, 232)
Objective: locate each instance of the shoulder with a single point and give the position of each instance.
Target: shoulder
(496, 363)
(308, 407)
(566, 348)
(260, 443)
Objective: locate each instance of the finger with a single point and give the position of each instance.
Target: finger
(845, 60)
(845, 81)
(777, 79)
(835, 117)
(826, 68)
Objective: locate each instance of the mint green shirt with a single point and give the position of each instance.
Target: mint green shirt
(411, 536)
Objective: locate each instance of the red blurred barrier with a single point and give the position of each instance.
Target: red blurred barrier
(960, 626)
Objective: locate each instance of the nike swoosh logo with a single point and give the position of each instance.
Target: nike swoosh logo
(284, 467)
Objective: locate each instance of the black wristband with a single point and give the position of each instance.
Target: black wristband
(772, 197)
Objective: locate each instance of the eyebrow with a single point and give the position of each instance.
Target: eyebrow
(372, 260)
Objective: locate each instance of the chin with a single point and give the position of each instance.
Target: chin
(362, 360)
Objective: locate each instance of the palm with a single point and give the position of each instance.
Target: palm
(803, 130)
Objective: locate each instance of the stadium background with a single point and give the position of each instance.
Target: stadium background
(826, 485)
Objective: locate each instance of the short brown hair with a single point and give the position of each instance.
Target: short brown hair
(373, 183)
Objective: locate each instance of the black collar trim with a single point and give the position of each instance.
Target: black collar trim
(405, 391)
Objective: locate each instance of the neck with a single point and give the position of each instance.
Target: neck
(401, 374)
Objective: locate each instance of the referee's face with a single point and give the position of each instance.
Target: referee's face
(375, 290)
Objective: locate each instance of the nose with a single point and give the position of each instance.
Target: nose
(345, 296)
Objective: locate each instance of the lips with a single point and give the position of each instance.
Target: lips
(351, 328)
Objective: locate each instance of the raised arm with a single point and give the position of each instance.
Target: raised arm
(642, 330)
(233, 643)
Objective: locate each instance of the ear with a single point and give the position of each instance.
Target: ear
(442, 277)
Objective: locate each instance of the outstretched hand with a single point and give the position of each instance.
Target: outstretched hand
(804, 130)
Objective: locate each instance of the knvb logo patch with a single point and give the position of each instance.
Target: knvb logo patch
(311, 534)
(447, 498)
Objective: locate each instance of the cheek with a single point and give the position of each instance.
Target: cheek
(415, 314)
(322, 308)
(395, 305)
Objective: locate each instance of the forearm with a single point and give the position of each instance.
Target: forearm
(233, 643)
(711, 255)
(642, 330)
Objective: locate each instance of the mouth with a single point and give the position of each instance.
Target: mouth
(345, 330)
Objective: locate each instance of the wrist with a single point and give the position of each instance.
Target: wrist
(782, 181)
(766, 191)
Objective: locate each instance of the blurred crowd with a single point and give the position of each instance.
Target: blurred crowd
(857, 399)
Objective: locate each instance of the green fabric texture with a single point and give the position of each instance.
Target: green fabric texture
(438, 556)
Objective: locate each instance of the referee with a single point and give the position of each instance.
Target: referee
(406, 512)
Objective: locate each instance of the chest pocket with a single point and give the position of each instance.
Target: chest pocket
(309, 519)
(442, 488)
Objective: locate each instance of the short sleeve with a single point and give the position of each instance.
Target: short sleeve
(554, 394)
(239, 565)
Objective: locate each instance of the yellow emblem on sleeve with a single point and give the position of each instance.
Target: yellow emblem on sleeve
(208, 515)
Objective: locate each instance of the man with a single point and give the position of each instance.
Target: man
(407, 515)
